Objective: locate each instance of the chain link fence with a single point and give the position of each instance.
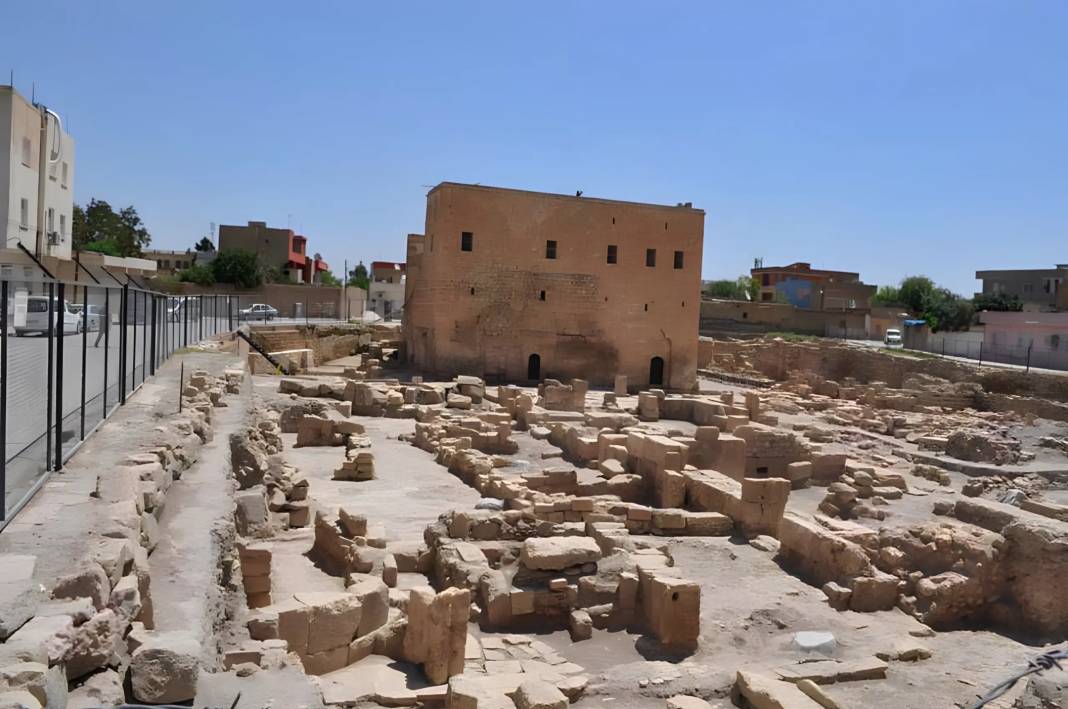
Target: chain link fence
(71, 352)
(1026, 355)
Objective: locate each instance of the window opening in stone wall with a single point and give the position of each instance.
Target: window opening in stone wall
(679, 258)
(613, 253)
(541, 295)
(466, 241)
(550, 249)
(650, 257)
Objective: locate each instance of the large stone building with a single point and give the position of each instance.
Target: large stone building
(519, 286)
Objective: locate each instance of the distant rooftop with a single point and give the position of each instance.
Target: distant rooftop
(687, 205)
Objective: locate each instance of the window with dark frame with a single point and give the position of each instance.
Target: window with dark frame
(613, 253)
(679, 259)
(466, 241)
(650, 257)
(550, 249)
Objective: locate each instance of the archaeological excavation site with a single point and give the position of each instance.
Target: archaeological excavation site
(812, 525)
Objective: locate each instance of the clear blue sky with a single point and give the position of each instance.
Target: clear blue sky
(889, 138)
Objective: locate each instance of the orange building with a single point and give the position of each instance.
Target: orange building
(518, 286)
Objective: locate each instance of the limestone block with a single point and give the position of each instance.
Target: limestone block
(766, 693)
(436, 634)
(558, 553)
(19, 593)
(580, 625)
(164, 669)
(672, 608)
(874, 593)
(44, 639)
(250, 512)
(47, 685)
(93, 643)
(20, 699)
(373, 595)
(539, 694)
(103, 689)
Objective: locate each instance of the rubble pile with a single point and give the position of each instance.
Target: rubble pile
(72, 644)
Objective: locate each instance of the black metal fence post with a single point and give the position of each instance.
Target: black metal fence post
(122, 343)
(155, 306)
(85, 344)
(51, 361)
(133, 355)
(106, 324)
(1029, 346)
(61, 331)
(3, 400)
(144, 336)
(980, 365)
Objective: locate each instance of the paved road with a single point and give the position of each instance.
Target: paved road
(27, 389)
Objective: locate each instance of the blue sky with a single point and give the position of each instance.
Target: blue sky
(889, 138)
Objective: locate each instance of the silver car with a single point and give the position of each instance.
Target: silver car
(37, 317)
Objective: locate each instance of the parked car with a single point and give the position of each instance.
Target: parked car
(37, 317)
(258, 311)
(93, 319)
(892, 337)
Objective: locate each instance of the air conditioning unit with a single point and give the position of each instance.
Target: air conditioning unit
(53, 238)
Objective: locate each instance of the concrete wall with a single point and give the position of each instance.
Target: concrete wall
(486, 311)
(316, 301)
(744, 317)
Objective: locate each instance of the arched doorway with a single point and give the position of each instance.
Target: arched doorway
(534, 367)
(656, 371)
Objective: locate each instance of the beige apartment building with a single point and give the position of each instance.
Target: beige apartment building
(36, 177)
(519, 286)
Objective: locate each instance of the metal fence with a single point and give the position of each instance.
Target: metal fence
(1027, 356)
(71, 352)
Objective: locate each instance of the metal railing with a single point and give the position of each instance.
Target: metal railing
(71, 353)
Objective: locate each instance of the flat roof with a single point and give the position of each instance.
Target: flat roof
(555, 195)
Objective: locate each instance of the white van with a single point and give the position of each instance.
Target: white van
(37, 317)
(893, 337)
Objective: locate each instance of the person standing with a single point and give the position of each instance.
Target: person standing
(105, 323)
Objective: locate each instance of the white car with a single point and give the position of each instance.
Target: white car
(37, 317)
(892, 337)
(258, 311)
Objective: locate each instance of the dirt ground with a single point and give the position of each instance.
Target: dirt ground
(750, 610)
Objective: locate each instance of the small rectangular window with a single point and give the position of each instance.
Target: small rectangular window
(51, 220)
(650, 257)
(541, 296)
(66, 174)
(550, 249)
(62, 224)
(612, 253)
(765, 279)
(678, 259)
(466, 241)
(24, 213)
(27, 152)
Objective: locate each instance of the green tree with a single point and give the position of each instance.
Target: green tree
(98, 227)
(204, 245)
(723, 288)
(945, 310)
(239, 267)
(742, 288)
(199, 273)
(913, 292)
(1000, 302)
(887, 295)
(358, 276)
(329, 279)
